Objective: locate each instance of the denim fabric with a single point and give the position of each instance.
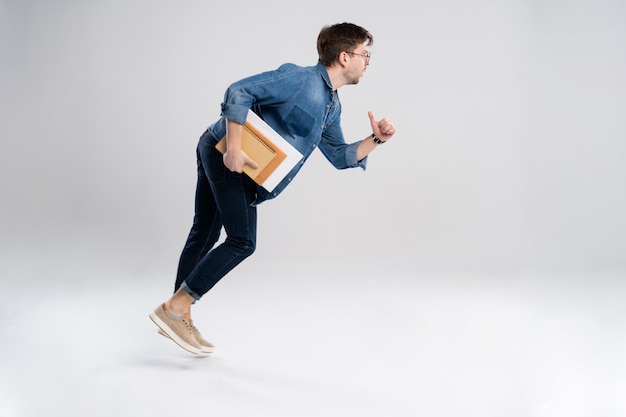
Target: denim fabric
(300, 104)
(223, 199)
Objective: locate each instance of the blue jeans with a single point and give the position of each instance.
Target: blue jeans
(223, 199)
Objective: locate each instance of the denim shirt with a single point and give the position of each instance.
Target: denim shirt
(301, 105)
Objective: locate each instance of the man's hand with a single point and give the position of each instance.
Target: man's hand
(235, 160)
(234, 157)
(382, 128)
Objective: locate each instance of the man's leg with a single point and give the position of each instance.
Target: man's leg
(234, 195)
(205, 230)
(230, 199)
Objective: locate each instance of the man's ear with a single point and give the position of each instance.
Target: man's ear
(343, 59)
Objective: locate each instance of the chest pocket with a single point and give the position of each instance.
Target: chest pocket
(300, 122)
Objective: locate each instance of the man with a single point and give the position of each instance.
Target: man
(302, 105)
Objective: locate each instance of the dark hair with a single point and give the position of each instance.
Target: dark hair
(340, 37)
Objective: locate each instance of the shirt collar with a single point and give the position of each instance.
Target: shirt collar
(322, 69)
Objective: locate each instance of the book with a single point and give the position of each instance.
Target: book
(274, 156)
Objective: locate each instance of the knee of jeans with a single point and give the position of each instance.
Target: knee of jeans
(250, 248)
(246, 246)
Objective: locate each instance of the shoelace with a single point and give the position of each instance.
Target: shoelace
(194, 328)
(189, 326)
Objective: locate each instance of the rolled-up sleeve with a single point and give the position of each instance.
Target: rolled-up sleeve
(351, 157)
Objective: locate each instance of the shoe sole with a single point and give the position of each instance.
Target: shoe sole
(172, 335)
(203, 349)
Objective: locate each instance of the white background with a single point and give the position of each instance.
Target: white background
(510, 146)
(507, 170)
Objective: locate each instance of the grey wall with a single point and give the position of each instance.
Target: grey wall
(510, 148)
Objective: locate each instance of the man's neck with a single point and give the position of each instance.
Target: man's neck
(335, 74)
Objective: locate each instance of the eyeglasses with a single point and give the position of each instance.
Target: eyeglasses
(367, 55)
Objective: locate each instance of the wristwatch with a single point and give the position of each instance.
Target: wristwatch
(377, 140)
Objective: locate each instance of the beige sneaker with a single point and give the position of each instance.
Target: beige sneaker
(205, 346)
(176, 328)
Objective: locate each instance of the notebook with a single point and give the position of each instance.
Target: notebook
(273, 154)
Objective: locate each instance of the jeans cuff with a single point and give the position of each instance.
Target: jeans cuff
(189, 291)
